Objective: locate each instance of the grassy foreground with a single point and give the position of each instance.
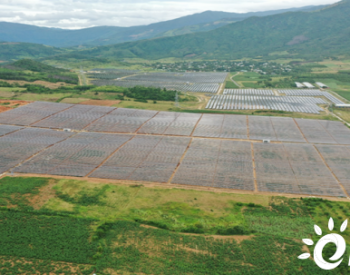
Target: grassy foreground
(52, 226)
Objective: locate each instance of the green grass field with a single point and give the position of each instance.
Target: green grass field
(343, 113)
(344, 94)
(84, 227)
(230, 85)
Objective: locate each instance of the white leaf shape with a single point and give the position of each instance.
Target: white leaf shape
(318, 230)
(308, 242)
(331, 224)
(304, 256)
(344, 226)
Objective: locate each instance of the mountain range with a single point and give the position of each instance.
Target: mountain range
(106, 35)
(317, 34)
(321, 33)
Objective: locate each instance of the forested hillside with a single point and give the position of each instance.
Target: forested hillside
(107, 35)
(31, 70)
(317, 34)
(11, 51)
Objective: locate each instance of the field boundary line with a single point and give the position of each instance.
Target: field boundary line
(274, 130)
(76, 152)
(296, 123)
(42, 150)
(180, 161)
(216, 164)
(234, 81)
(98, 118)
(163, 133)
(195, 126)
(221, 89)
(222, 125)
(13, 131)
(287, 157)
(248, 132)
(330, 169)
(52, 114)
(328, 132)
(291, 167)
(138, 129)
(256, 189)
(109, 156)
(151, 151)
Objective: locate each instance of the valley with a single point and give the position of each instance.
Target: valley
(212, 143)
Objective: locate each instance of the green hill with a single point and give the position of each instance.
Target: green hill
(316, 34)
(11, 51)
(35, 66)
(107, 35)
(37, 71)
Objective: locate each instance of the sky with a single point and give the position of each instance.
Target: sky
(77, 14)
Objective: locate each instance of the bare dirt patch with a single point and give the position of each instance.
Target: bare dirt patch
(38, 82)
(10, 104)
(45, 194)
(237, 238)
(4, 109)
(108, 103)
(297, 40)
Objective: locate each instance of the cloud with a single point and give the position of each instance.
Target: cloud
(76, 14)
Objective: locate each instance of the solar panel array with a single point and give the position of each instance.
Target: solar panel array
(182, 148)
(338, 159)
(31, 113)
(76, 117)
(180, 77)
(110, 73)
(16, 147)
(308, 92)
(217, 163)
(278, 103)
(121, 121)
(247, 92)
(222, 126)
(145, 158)
(185, 82)
(6, 129)
(179, 124)
(286, 129)
(182, 87)
(76, 156)
(293, 168)
(319, 131)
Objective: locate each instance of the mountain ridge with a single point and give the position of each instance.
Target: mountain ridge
(106, 35)
(305, 32)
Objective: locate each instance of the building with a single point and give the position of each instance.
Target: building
(342, 105)
(299, 85)
(308, 85)
(321, 85)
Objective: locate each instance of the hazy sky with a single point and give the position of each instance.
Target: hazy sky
(76, 14)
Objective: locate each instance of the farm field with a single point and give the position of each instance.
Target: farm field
(215, 151)
(114, 228)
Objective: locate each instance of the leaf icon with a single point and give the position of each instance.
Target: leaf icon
(344, 226)
(318, 230)
(331, 224)
(308, 242)
(304, 256)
